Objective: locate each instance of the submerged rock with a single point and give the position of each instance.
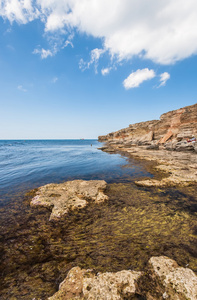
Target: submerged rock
(84, 284)
(69, 195)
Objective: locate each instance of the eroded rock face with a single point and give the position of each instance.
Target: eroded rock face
(178, 283)
(69, 195)
(175, 126)
(174, 135)
(84, 284)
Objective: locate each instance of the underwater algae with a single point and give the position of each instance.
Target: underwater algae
(122, 233)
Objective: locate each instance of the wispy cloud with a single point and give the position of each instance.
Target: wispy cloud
(43, 53)
(54, 80)
(136, 78)
(69, 41)
(163, 78)
(10, 47)
(95, 55)
(21, 88)
(105, 71)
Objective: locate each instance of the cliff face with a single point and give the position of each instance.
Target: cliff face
(174, 126)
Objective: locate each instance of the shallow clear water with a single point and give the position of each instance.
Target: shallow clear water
(28, 164)
(121, 233)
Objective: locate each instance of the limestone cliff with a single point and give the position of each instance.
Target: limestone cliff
(174, 126)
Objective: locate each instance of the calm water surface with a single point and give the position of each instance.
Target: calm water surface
(28, 164)
(121, 233)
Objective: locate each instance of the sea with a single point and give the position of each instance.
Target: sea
(28, 164)
(119, 234)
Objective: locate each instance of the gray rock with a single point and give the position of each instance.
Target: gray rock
(184, 146)
(153, 147)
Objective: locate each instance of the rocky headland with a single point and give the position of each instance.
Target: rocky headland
(139, 244)
(170, 142)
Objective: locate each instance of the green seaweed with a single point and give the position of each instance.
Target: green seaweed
(122, 233)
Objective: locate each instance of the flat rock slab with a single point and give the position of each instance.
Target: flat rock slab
(84, 284)
(68, 196)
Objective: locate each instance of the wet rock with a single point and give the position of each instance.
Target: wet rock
(84, 284)
(179, 166)
(69, 195)
(162, 279)
(153, 147)
(174, 282)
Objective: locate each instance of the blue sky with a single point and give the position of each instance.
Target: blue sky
(79, 69)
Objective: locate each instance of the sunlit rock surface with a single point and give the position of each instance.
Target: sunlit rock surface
(170, 142)
(163, 279)
(175, 126)
(176, 283)
(69, 195)
(84, 284)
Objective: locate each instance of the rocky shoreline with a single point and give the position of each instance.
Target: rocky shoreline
(112, 241)
(169, 142)
(162, 279)
(169, 145)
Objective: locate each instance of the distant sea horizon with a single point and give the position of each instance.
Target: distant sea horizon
(28, 164)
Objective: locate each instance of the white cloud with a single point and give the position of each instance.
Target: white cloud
(43, 53)
(163, 78)
(163, 31)
(21, 88)
(19, 11)
(95, 54)
(105, 71)
(67, 42)
(136, 78)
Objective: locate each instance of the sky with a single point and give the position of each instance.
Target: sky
(74, 69)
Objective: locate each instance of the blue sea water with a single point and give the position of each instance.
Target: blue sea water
(28, 164)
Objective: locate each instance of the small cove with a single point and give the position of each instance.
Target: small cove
(122, 233)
